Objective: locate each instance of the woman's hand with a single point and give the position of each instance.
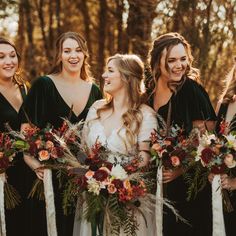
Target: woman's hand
(39, 172)
(35, 165)
(170, 175)
(227, 182)
(211, 177)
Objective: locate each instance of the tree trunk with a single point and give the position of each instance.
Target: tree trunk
(141, 15)
(101, 41)
(30, 52)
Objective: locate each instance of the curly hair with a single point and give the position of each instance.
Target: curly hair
(230, 86)
(131, 69)
(57, 63)
(17, 78)
(168, 41)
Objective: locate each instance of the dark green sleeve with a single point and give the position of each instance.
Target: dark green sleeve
(200, 104)
(35, 105)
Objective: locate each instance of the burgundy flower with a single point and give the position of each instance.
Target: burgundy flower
(108, 165)
(207, 155)
(218, 169)
(4, 163)
(100, 175)
(118, 183)
(82, 182)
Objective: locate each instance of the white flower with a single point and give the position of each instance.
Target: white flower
(118, 172)
(93, 186)
(231, 140)
(205, 140)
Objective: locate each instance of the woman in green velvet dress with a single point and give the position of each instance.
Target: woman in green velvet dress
(176, 95)
(50, 99)
(12, 94)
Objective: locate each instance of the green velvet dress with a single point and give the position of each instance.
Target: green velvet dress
(15, 220)
(230, 218)
(190, 103)
(44, 105)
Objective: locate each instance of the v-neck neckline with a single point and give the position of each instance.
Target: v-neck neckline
(103, 129)
(77, 116)
(10, 105)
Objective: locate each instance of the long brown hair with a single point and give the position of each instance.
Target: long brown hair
(131, 69)
(57, 64)
(168, 41)
(17, 76)
(230, 85)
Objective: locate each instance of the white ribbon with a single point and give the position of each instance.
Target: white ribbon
(50, 206)
(2, 210)
(159, 203)
(217, 208)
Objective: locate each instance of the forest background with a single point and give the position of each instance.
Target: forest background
(124, 26)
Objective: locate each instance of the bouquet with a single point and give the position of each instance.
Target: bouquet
(112, 192)
(175, 150)
(9, 197)
(9, 147)
(218, 155)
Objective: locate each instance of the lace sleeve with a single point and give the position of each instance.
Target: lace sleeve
(149, 123)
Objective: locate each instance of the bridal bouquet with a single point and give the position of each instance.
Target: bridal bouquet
(111, 192)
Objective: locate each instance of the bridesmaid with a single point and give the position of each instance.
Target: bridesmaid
(49, 101)
(226, 110)
(12, 94)
(175, 94)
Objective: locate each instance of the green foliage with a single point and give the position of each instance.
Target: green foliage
(196, 179)
(69, 197)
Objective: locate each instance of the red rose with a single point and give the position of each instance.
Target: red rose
(100, 175)
(207, 155)
(118, 183)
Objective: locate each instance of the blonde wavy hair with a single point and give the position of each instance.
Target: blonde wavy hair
(230, 86)
(131, 69)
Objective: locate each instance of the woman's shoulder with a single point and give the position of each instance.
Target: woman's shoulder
(145, 109)
(42, 80)
(99, 103)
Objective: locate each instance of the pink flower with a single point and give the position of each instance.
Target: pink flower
(175, 161)
(49, 145)
(1, 154)
(111, 188)
(156, 147)
(89, 174)
(38, 143)
(43, 155)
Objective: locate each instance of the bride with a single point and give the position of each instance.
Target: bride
(122, 123)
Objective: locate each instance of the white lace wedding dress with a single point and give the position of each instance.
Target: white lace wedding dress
(115, 142)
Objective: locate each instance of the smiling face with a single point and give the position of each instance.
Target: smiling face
(8, 61)
(72, 57)
(113, 80)
(176, 62)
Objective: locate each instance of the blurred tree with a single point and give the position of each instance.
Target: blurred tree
(126, 26)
